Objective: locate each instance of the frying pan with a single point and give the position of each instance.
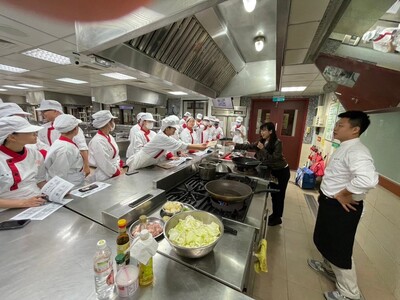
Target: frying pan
(245, 162)
(231, 190)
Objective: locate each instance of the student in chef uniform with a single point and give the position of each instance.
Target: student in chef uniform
(50, 110)
(219, 132)
(182, 122)
(198, 126)
(154, 151)
(103, 150)
(205, 133)
(144, 135)
(211, 128)
(135, 128)
(22, 173)
(238, 131)
(64, 158)
(349, 175)
(12, 109)
(188, 135)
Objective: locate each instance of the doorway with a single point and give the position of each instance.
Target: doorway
(289, 118)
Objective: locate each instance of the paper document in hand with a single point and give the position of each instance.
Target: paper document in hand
(212, 144)
(56, 188)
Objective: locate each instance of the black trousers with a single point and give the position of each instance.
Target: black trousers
(278, 199)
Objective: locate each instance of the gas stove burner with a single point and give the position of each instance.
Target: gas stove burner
(227, 206)
(246, 171)
(192, 192)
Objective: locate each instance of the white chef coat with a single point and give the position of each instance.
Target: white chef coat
(188, 136)
(155, 151)
(212, 133)
(205, 135)
(140, 139)
(236, 131)
(199, 131)
(350, 167)
(49, 135)
(64, 160)
(219, 133)
(104, 155)
(20, 173)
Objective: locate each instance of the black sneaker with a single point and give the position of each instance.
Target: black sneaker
(274, 222)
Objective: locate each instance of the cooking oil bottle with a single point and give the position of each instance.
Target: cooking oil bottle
(123, 240)
(146, 275)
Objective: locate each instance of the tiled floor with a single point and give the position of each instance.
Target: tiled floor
(290, 244)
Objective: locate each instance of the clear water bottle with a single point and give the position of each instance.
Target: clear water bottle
(103, 271)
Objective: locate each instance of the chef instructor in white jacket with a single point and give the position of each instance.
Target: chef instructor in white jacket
(154, 151)
(238, 131)
(51, 109)
(103, 150)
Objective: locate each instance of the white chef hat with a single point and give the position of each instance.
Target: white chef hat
(170, 121)
(147, 117)
(239, 119)
(199, 116)
(9, 125)
(206, 118)
(216, 121)
(65, 123)
(187, 114)
(139, 116)
(50, 105)
(101, 118)
(189, 118)
(11, 109)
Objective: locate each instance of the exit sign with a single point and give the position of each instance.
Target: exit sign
(278, 98)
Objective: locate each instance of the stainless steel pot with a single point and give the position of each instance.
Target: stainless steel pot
(207, 171)
(203, 216)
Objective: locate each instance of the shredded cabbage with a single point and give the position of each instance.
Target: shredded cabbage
(192, 233)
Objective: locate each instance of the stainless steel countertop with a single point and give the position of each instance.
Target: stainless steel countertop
(125, 189)
(52, 259)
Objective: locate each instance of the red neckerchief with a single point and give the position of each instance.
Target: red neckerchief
(146, 133)
(238, 126)
(15, 158)
(65, 139)
(184, 125)
(49, 130)
(109, 141)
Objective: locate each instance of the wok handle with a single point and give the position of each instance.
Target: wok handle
(230, 230)
(267, 191)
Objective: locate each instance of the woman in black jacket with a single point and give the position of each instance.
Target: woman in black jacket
(269, 152)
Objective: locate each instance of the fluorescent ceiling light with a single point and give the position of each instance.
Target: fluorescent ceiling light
(48, 56)
(259, 43)
(293, 89)
(15, 87)
(30, 85)
(118, 76)
(177, 93)
(3, 90)
(12, 69)
(71, 80)
(249, 5)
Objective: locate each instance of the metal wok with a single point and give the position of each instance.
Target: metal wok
(231, 190)
(245, 162)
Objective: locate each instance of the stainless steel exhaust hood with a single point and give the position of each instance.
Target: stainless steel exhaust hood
(34, 98)
(126, 93)
(187, 44)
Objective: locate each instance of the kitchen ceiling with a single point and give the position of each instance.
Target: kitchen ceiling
(21, 31)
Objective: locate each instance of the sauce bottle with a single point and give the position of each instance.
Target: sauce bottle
(145, 270)
(123, 242)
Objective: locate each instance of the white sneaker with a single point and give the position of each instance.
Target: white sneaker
(318, 266)
(335, 295)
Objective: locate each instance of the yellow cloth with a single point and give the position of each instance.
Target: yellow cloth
(261, 264)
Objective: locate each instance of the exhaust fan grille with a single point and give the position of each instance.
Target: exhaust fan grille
(186, 47)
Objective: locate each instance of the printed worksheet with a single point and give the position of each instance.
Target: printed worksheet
(41, 212)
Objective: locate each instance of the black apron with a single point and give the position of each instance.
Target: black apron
(335, 230)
